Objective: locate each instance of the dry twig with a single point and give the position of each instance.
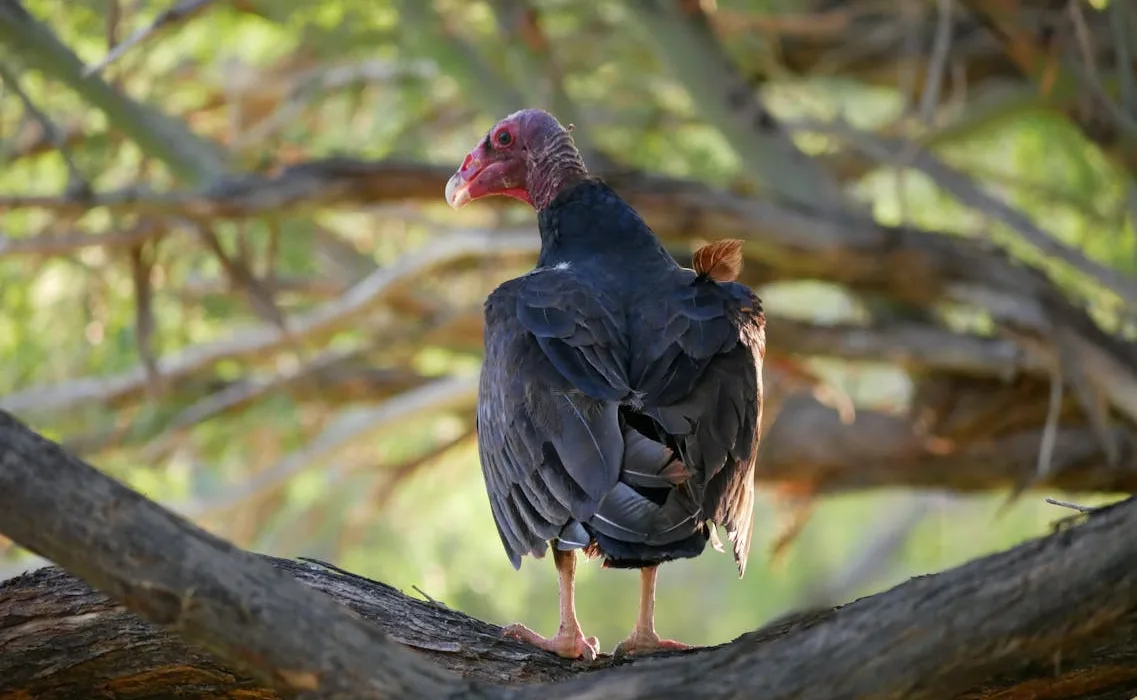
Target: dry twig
(439, 396)
(937, 63)
(178, 13)
(323, 320)
(1071, 506)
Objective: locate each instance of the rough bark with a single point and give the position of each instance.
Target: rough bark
(51, 620)
(213, 595)
(1052, 618)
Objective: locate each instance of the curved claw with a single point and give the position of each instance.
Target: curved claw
(568, 643)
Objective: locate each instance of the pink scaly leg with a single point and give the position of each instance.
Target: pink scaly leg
(569, 641)
(643, 638)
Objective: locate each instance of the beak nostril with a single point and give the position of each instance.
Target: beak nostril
(466, 161)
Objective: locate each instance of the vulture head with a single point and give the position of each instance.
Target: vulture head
(527, 156)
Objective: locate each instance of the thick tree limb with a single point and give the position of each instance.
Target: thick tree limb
(878, 450)
(97, 643)
(184, 579)
(319, 183)
(687, 45)
(993, 628)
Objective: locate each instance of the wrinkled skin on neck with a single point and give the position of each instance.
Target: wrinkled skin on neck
(527, 156)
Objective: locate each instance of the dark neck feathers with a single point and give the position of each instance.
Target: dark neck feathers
(587, 222)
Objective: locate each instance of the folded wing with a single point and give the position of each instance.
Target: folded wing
(632, 433)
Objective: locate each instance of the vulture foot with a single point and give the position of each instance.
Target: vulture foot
(569, 643)
(645, 643)
(643, 639)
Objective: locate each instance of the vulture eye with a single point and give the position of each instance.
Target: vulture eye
(504, 138)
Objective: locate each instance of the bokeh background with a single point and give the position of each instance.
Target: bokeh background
(229, 278)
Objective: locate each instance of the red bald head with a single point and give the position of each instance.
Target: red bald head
(527, 156)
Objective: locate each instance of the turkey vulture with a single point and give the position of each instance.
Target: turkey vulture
(621, 393)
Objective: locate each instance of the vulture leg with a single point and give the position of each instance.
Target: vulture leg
(643, 638)
(569, 641)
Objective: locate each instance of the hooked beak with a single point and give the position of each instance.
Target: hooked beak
(457, 191)
(458, 186)
(483, 175)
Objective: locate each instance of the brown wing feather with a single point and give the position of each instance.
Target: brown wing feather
(729, 494)
(714, 425)
(720, 260)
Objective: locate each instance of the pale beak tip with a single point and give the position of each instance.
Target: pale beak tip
(457, 194)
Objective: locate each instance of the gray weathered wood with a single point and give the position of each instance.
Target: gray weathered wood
(1052, 618)
(58, 622)
(210, 593)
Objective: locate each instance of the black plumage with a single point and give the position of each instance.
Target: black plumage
(621, 393)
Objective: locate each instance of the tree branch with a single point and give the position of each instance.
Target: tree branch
(177, 13)
(27, 41)
(166, 570)
(323, 320)
(1035, 46)
(76, 183)
(49, 243)
(457, 58)
(967, 192)
(42, 611)
(993, 627)
(534, 63)
(685, 42)
(873, 450)
(435, 397)
(878, 450)
(913, 346)
(908, 265)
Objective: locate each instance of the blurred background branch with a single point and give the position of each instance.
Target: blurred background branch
(230, 279)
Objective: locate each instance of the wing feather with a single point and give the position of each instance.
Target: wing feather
(564, 373)
(702, 381)
(549, 434)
